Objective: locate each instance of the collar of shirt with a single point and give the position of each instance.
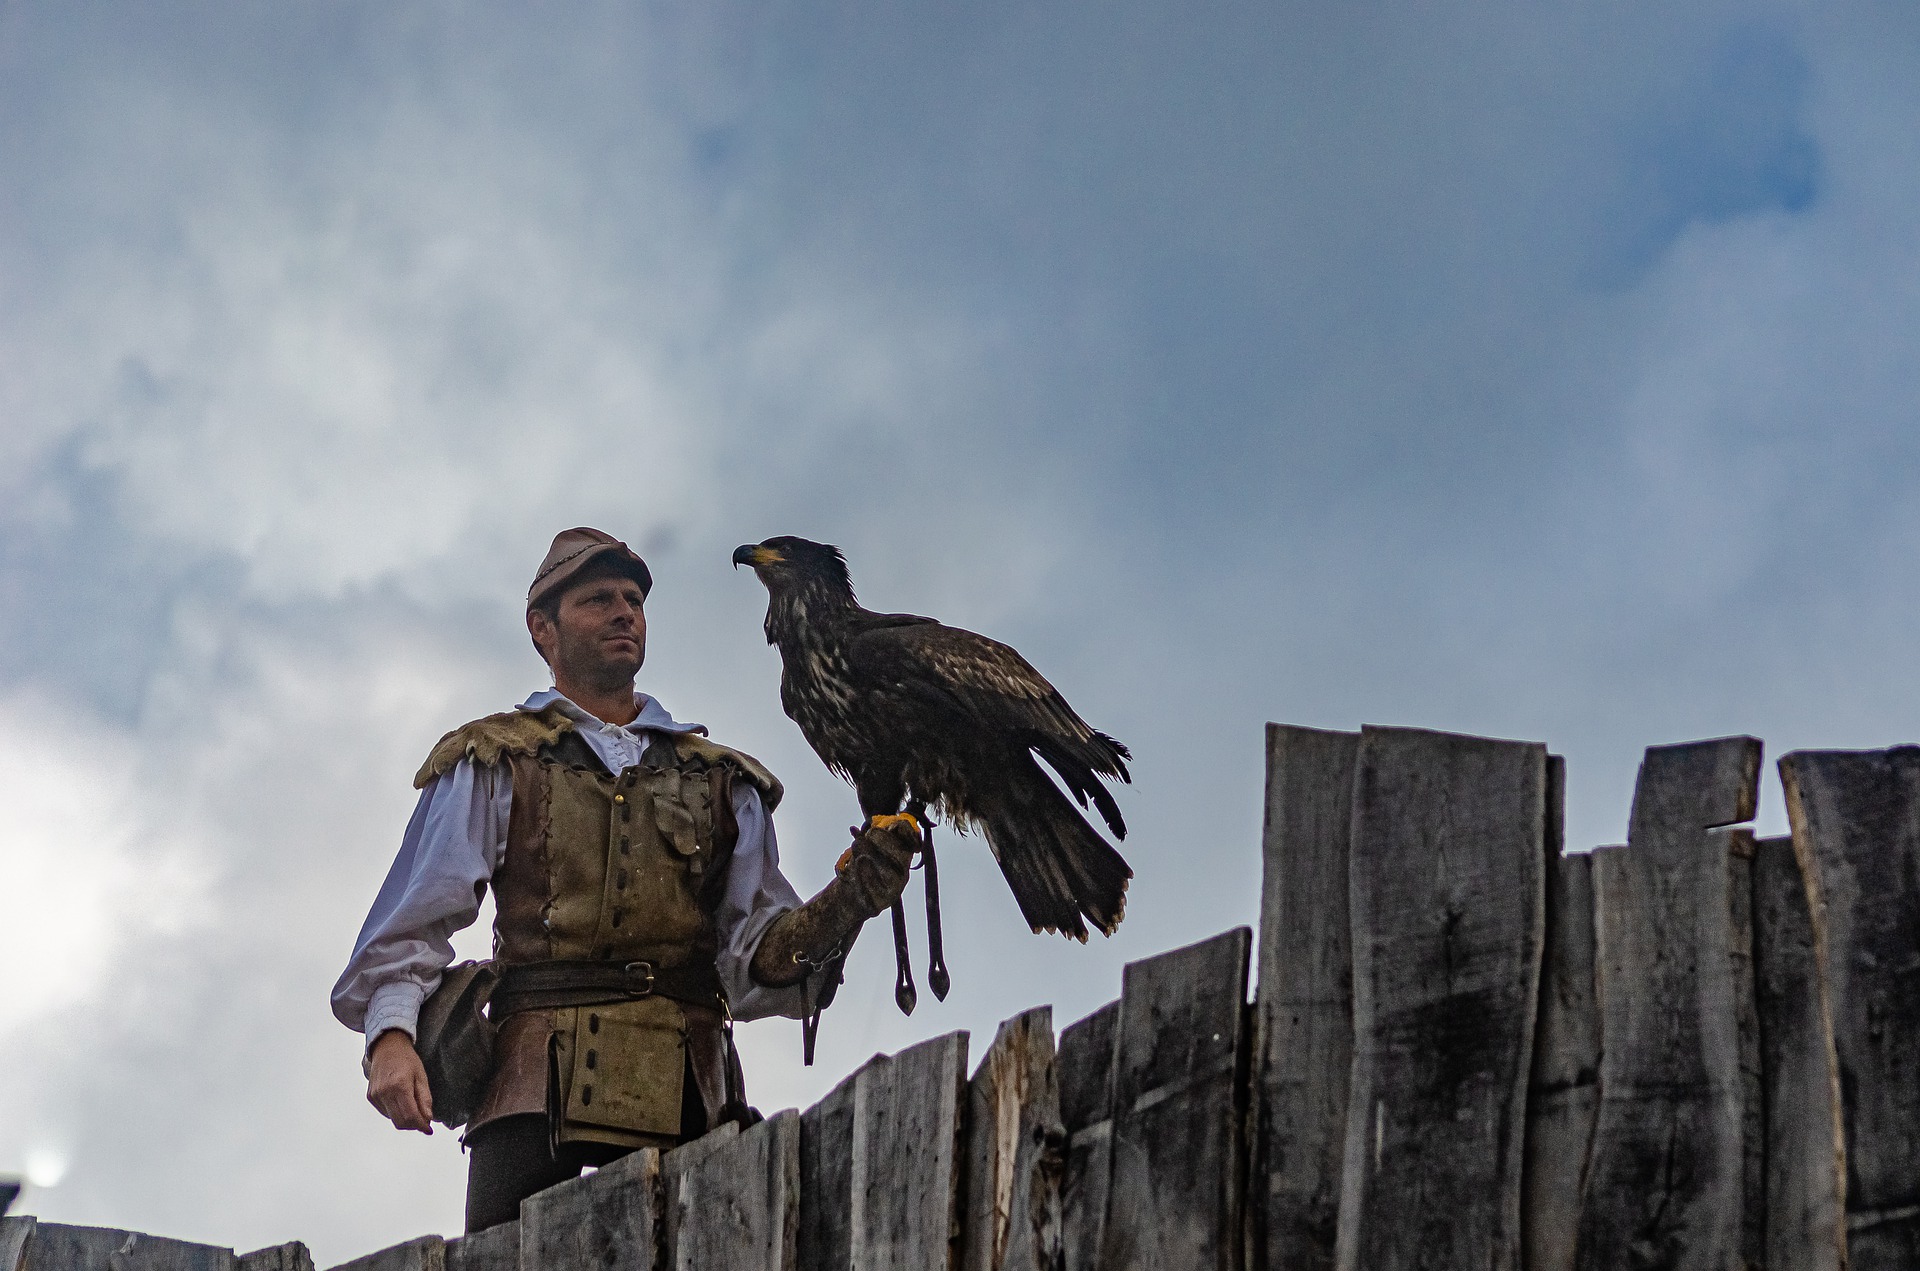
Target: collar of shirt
(619, 747)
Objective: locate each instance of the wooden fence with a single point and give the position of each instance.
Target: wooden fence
(1466, 1049)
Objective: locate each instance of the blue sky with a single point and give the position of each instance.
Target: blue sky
(1534, 371)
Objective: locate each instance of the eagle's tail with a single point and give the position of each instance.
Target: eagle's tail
(1060, 870)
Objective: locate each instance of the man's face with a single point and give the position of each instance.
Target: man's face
(599, 635)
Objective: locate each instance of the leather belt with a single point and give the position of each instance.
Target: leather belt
(536, 986)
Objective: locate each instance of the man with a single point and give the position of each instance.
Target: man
(639, 904)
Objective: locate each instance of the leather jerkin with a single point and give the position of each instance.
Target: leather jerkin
(616, 868)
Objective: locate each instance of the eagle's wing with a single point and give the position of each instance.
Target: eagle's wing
(994, 688)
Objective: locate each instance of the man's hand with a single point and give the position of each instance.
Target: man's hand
(877, 863)
(397, 1082)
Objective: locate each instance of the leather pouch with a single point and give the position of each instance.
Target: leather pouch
(683, 812)
(627, 1069)
(455, 1041)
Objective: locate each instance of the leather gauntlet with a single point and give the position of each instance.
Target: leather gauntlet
(870, 878)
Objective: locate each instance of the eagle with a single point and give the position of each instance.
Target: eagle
(919, 715)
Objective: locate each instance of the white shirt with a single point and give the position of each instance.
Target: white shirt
(456, 839)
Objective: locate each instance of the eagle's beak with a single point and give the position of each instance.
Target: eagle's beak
(756, 556)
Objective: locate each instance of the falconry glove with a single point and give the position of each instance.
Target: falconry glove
(870, 878)
(875, 867)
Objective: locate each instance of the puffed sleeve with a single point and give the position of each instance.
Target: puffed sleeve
(757, 893)
(451, 847)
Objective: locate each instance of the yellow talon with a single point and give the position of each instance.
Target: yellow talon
(892, 819)
(846, 859)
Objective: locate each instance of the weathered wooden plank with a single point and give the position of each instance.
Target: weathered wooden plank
(1448, 908)
(1085, 1066)
(1016, 1152)
(906, 1157)
(15, 1234)
(1856, 828)
(1178, 1108)
(426, 1253)
(1805, 1210)
(676, 1164)
(57, 1247)
(1304, 1012)
(495, 1249)
(287, 1257)
(739, 1207)
(1563, 1093)
(1675, 1179)
(609, 1220)
(826, 1182)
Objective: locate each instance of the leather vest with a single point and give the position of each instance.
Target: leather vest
(617, 867)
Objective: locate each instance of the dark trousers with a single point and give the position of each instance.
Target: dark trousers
(511, 1158)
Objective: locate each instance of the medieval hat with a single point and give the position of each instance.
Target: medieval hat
(572, 551)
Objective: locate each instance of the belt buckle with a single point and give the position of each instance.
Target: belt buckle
(646, 969)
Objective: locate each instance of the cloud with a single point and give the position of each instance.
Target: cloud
(88, 871)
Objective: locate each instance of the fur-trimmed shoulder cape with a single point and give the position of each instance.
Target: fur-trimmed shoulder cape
(522, 732)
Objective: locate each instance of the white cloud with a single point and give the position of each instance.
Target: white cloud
(86, 867)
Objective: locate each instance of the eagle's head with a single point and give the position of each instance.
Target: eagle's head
(787, 564)
(808, 592)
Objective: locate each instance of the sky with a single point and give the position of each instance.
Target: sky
(1536, 371)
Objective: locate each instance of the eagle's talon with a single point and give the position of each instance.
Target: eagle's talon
(888, 820)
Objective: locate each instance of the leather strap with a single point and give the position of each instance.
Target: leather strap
(535, 986)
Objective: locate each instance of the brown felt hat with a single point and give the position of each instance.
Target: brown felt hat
(573, 550)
